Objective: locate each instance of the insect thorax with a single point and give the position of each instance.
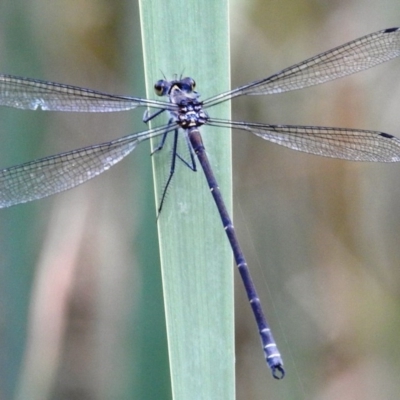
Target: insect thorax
(191, 114)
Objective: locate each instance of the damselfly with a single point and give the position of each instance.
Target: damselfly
(49, 175)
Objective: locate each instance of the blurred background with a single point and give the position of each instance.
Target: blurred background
(80, 297)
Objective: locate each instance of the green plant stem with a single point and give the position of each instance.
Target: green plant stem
(196, 259)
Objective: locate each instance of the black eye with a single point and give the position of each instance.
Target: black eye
(159, 88)
(189, 83)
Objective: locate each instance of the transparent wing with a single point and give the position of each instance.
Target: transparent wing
(348, 144)
(32, 94)
(355, 56)
(46, 176)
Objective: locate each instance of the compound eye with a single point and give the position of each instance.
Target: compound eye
(159, 88)
(189, 83)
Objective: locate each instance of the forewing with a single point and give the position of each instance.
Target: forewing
(35, 94)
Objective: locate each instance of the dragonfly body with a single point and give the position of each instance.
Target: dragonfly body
(49, 175)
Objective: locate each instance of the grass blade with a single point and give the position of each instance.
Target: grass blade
(196, 259)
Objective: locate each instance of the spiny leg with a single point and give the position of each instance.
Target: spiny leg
(173, 163)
